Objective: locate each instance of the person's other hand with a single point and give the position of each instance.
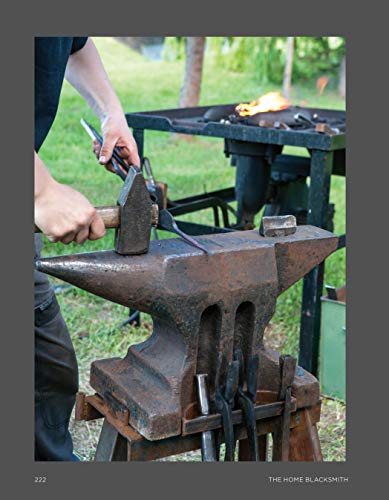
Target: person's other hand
(116, 133)
(63, 214)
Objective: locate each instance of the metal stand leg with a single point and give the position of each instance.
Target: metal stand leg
(321, 169)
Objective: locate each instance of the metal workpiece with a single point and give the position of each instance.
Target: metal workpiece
(167, 222)
(279, 225)
(203, 306)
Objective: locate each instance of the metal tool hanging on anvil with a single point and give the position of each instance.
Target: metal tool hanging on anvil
(208, 448)
(246, 399)
(224, 402)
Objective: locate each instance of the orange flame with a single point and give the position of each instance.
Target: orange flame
(272, 101)
(321, 83)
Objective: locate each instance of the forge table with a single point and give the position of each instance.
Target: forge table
(327, 157)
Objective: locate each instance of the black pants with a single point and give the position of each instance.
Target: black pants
(56, 375)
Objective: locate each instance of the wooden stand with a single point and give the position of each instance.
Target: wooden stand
(293, 431)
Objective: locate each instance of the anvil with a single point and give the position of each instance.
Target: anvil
(202, 305)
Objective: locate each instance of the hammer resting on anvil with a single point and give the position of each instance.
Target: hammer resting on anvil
(135, 215)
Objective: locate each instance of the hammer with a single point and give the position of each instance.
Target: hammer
(133, 217)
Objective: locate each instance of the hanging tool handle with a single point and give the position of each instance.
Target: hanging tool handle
(208, 448)
(111, 216)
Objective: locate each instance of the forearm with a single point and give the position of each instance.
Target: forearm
(42, 178)
(62, 213)
(86, 73)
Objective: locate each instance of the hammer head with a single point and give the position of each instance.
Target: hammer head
(133, 234)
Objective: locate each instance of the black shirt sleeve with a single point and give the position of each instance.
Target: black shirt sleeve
(51, 57)
(78, 43)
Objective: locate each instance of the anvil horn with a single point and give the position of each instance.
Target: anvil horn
(107, 275)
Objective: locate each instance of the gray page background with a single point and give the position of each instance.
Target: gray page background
(367, 172)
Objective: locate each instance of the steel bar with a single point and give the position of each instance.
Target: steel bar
(167, 223)
(197, 205)
(226, 194)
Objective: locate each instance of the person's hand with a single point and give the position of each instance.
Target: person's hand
(63, 214)
(116, 134)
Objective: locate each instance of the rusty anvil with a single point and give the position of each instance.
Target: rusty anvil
(202, 305)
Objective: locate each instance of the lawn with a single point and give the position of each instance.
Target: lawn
(188, 167)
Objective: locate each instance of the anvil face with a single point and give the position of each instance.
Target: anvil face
(202, 306)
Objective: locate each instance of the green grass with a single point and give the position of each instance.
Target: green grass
(188, 168)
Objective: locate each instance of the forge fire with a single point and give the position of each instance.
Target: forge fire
(272, 101)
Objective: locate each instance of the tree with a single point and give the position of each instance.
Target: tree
(286, 85)
(190, 90)
(342, 78)
(134, 42)
(137, 42)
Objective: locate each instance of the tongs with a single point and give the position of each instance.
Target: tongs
(166, 221)
(246, 400)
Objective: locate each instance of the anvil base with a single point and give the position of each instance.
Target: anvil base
(155, 412)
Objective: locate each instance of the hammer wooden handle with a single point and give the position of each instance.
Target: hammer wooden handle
(110, 216)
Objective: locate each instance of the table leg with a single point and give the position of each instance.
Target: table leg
(318, 201)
